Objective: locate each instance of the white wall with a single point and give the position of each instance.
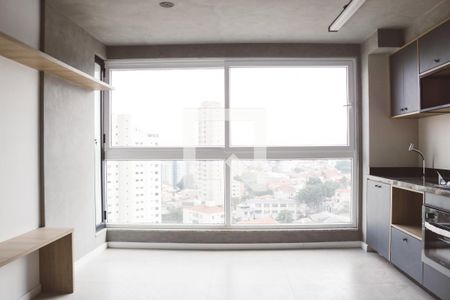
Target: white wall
(19, 144)
(434, 141)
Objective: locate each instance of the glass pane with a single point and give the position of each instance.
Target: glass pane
(97, 153)
(289, 106)
(167, 108)
(165, 192)
(298, 192)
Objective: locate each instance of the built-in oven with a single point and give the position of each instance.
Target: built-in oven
(437, 238)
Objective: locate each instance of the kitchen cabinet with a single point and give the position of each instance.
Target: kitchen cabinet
(434, 48)
(435, 90)
(436, 282)
(404, 77)
(378, 216)
(406, 254)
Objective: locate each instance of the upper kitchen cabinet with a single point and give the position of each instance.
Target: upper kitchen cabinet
(435, 91)
(420, 75)
(404, 81)
(434, 48)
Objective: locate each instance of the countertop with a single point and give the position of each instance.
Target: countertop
(412, 183)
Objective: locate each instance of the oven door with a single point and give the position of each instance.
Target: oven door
(437, 239)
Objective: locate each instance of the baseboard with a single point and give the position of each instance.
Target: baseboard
(256, 246)
(86, 258)
(32, 293)
(366, 247)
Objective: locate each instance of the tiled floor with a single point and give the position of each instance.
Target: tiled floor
(228, 275)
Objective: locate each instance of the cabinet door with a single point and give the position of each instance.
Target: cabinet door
(436, 282)
(396, 78)
(434, 48)
(378, 217)
(411, 94)
(404, 74)
(406, 254)
(372, 216)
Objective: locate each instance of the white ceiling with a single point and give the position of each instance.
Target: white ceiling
(144, 22)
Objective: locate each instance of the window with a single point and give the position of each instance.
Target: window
(168, 107)
(231, 143)
(296, 106)
(99, 73)
(303, 192)
(186, 192)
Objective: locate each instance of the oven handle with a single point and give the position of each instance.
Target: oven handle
(437, 230)
(444, 241)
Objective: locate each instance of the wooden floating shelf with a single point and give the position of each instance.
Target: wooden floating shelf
(33, 58)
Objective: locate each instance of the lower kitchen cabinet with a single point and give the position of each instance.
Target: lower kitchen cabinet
(406, 254)
(436, 282)
(378, 216)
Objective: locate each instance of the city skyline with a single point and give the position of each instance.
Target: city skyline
(193, 192)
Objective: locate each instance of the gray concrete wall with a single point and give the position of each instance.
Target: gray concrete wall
(69, 134)
(234, 51)
(19, 146)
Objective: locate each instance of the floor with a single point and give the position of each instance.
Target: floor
(228, 275)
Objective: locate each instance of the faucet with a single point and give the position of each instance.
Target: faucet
(441, 180)
(413, 148)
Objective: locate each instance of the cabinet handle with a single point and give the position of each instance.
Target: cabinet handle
(405, 240)
(377, 186)
(406, 108)
(436, 60)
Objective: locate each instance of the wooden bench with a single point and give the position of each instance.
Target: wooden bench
(55, 256)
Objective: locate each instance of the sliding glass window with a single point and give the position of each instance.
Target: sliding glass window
(231, 144)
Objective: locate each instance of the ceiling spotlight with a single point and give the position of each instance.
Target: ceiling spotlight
(347, 12)
(166, 4)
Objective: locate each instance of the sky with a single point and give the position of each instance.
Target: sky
(269, 106)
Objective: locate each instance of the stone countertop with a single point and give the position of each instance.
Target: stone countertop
(412, 183)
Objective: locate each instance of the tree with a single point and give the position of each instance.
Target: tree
(343, 181)
(285, 216)
(343, 166)
(315, 191)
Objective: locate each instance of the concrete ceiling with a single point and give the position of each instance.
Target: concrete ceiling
(144, 22)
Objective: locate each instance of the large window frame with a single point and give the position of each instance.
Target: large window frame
(99, 186)
(349, 151)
